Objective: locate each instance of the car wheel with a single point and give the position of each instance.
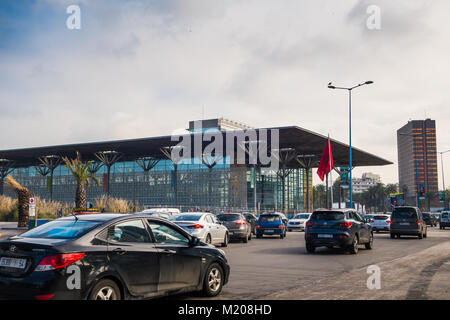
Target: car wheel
(282, 236)
(353, 249)
(369, 245)
(392, 236)
(208, 239)
(212, 285)
(420, 236)
(258, 235)
(289, 230)
(105, 290)
(425, 234)
(225, 240)
(310, 248)
(250, 236)
(245, 239)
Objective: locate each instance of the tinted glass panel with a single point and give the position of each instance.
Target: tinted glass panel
(128, 231)
(229, 217)
(69, 229)
(269, 218)
(404, 213)
(186, 217)
(328, 215)
(166, 235)
(301, 216)
(379, 218)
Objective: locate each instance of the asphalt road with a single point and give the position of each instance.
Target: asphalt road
(264, 267)
(274, 268)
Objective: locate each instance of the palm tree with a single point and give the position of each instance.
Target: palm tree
(82, 175)
(23, 196)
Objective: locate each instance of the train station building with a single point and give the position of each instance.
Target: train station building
(145, 171)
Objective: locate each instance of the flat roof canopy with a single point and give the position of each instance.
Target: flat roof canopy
(304, 142)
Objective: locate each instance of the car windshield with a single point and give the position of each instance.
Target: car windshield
(229, 217)
(404, 213)
(186, 217)
(328, 215)
(61, 229)
(269, 218)
(426, 215)
(301, 216)
(380, 217)
(444, 215)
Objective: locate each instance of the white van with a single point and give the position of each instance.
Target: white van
(444, 220)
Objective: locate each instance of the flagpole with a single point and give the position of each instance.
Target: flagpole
(331, 171)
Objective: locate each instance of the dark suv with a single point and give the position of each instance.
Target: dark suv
(408, 221)
(344, 228)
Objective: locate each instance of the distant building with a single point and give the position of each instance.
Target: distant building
(416, 140)
(367, 180)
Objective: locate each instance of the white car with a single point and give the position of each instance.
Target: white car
(164, 211)
(381, 222)
(298, 222)
(203, 225)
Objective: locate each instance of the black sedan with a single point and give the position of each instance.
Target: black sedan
(106, 257)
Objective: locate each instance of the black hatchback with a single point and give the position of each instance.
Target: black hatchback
(108, 257)
(337, 228)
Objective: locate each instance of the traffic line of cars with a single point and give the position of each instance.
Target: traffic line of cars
(105, 256)
(145, 255)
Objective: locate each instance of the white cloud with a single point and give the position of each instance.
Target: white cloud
(144, 68)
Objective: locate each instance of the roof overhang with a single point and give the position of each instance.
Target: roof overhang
(304, 142)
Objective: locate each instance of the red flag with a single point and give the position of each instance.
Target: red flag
(326, 162)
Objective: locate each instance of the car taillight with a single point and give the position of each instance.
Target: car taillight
(58, 261)
(345, 225)
(257, 226)
(390, 221)
(44, 297)
(418, 222)
(371, 220)
(195, 226)
(240, 222)
(309, 224)
(280, 226)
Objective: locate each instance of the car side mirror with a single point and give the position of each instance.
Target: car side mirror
(194, 241)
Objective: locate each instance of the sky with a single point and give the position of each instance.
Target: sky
(145, 68)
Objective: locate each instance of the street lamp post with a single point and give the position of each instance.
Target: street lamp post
(443, 183)
(415, 164)
(330, 86)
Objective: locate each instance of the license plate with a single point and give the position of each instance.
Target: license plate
(230, 233)
(268, 231)
(404, 223)
(13, 263)
(325, 236)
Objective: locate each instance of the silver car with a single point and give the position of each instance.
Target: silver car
(203, 225)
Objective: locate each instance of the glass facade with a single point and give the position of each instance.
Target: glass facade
(223, 187)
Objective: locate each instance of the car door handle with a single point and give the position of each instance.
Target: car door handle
(119, 251)
(169, 251)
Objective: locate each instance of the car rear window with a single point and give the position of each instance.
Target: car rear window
(444, 215)
(302, 216)
(269, 218)
(229, 217)
(61, 229)
(186, 217)
(328, 215)
(380, 217)
(404, 213)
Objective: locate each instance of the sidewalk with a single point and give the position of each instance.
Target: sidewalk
(423, 275)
